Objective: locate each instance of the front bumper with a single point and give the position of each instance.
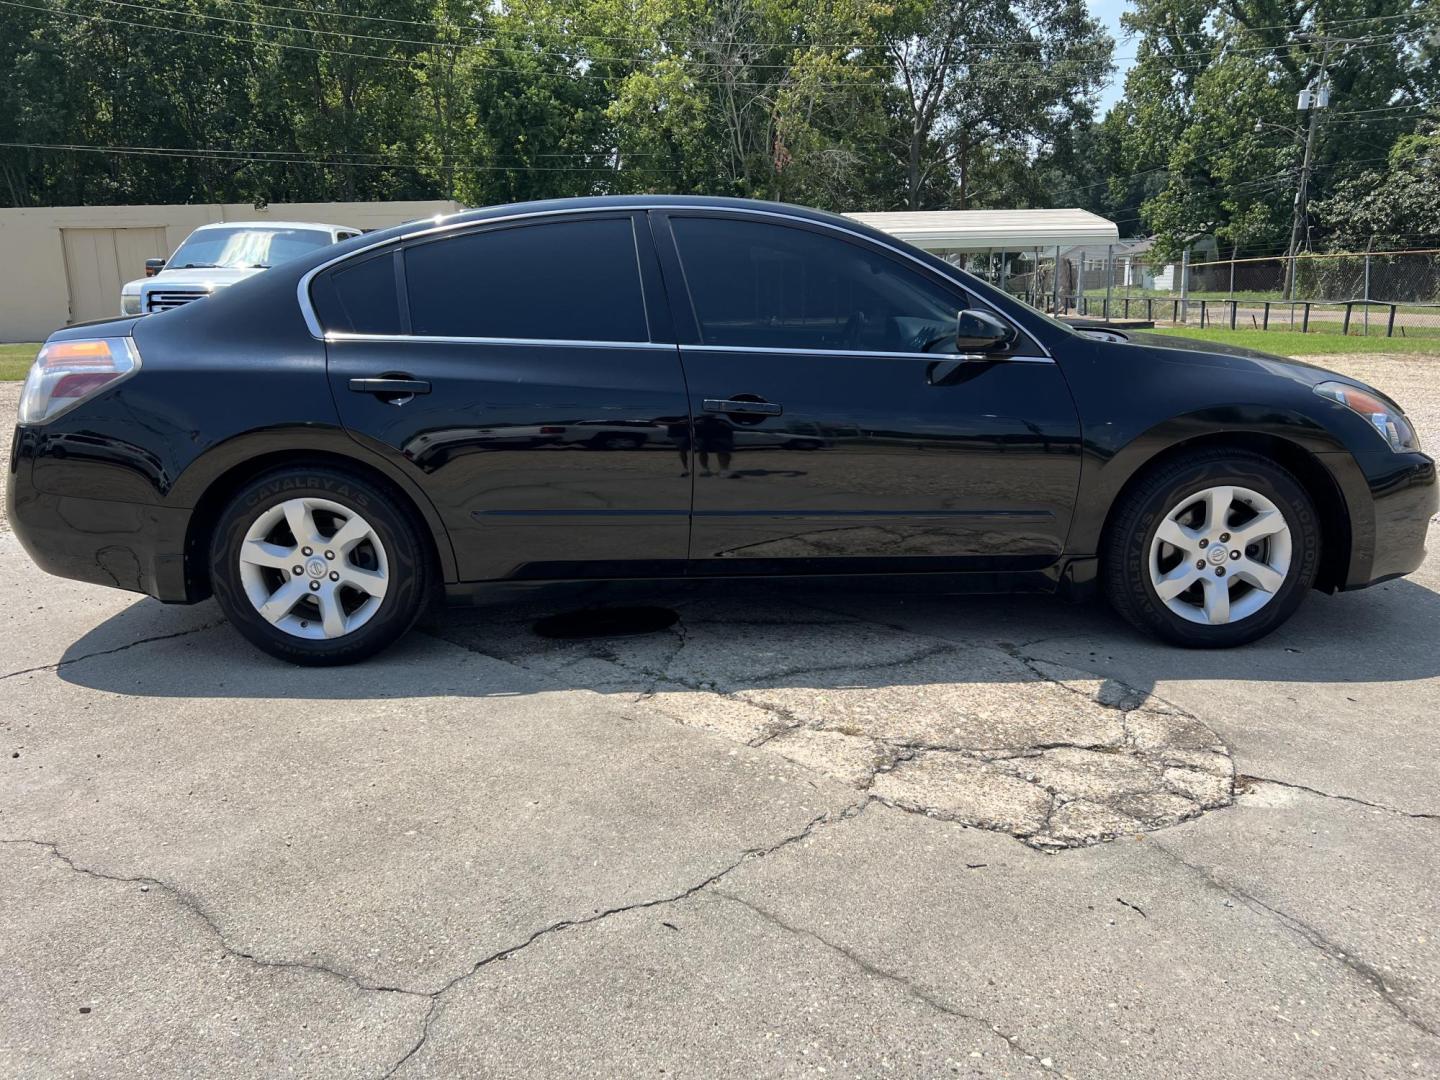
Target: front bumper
(131, 546)
(1391, 500)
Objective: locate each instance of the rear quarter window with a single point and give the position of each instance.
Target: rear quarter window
(359, 296)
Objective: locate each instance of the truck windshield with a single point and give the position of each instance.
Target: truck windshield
(245, 247)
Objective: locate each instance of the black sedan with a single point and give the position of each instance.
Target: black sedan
(669, 387)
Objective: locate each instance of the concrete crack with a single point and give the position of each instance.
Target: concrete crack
(1243, 783)
(908, 986)
(566, 924)
(109, 652)
(1312, 937)
(745, 856)
(420, 1040)
(1132, 698)
(662, 674)
(190, 904)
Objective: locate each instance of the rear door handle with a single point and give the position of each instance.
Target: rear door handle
(391, 387)
(749, 408)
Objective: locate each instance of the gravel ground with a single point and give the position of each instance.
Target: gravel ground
(9, 402)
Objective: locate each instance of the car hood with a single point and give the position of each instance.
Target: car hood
(214, 277)
(1236, 357)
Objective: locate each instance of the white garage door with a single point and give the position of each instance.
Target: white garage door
(99, 261)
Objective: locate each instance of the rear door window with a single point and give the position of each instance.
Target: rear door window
(576, 280)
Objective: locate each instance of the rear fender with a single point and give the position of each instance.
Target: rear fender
(206, 482)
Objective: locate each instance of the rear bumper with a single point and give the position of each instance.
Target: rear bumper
(131, 546)
(1391, 499)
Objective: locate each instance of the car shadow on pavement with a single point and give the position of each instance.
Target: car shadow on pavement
(759, 636)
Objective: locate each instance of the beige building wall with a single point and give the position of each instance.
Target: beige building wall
(44, 251)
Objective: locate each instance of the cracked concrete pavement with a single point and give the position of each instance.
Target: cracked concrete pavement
(799, 831)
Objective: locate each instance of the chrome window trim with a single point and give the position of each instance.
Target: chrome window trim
(302, 289)
(339, 336)
(873, 353)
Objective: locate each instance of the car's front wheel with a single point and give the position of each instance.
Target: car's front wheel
(1211, 550)
(318, 566)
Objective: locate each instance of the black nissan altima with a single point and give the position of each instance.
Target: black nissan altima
(670, 387)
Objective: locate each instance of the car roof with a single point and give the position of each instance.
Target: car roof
(593, 202)
(296, 268)
(623, 202)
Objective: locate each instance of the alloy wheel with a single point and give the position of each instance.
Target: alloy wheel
(1220, 555)
(314, 568)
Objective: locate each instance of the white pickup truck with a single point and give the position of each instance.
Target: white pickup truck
(214, 256)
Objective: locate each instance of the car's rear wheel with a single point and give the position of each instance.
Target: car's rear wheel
(319, 566)
(1211, 550)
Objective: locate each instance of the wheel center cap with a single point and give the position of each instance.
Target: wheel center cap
(1217, 554)
(315, 568)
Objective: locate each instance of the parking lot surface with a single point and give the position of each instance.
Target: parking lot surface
(795, 832)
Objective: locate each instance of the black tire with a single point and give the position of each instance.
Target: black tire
(1125, 554)
(410, 576)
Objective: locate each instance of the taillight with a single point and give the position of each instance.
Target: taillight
(67, 372)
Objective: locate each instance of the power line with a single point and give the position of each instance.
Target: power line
(415, 60)
(483, 45)
(450, 26)
(156, 8)
(268, 157)
(1022, 71)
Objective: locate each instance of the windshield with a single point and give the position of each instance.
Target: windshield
(245, 247)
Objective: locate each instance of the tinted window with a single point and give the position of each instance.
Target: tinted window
(770, 286)
(576, 280)
(359, 297)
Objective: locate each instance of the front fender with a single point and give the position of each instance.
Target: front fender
(1109, 464)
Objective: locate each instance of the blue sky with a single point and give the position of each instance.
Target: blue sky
(1108, 12)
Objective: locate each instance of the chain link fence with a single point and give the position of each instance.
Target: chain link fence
(1384, 293)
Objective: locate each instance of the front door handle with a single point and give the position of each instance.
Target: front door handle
(742, 407)
(390, 386)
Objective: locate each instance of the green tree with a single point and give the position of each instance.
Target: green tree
(1397, 207)
(1210, 107)
(982, 88)
(760, 98)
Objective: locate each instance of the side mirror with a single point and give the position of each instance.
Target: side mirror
(979, 331)
(153, 266)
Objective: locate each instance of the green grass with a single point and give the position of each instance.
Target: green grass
(15, 360)
(1290, 343)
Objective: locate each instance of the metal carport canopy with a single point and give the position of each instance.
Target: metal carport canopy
(999, 230)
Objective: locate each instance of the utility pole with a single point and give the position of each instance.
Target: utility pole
(1313, 98)
(1185, 284)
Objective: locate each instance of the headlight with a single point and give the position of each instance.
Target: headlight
(67, 372)
(1383, 415)
(130, 303)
